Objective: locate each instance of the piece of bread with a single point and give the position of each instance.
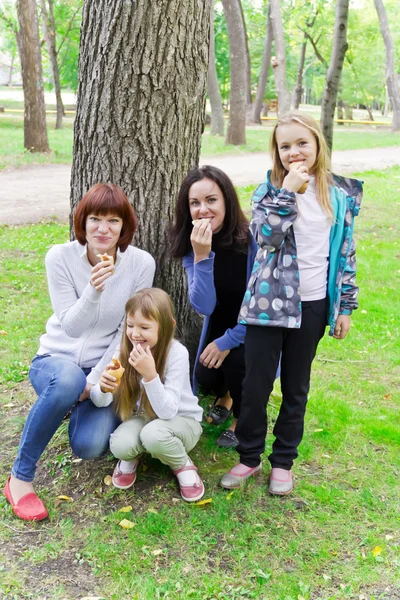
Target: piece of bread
(117, 370)
(195, 221)
(294, 165)
(105, 257)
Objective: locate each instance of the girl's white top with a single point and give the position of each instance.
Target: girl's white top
(172, 397)
(311, 230)
(87, 325)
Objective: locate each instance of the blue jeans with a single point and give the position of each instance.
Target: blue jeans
(59, 383)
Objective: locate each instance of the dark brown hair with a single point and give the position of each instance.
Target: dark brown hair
(103, 199)
(235, 228)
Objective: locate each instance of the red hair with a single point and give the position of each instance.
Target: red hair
(104, 199)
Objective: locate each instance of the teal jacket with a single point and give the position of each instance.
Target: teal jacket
(272, 297)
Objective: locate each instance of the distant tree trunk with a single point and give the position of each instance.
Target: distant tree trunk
(11, 70)
(279, 65)
(217, 112)
(392, 83)
(334, 71)
(262, 82)
(49, 30)
(340, 114)
(299, 82)
(140, 115)
(248, 61)
(35, 132)
(236, 133)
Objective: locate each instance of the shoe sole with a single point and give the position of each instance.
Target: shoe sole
(281, 493)
(123, 487)
(241, 482)
(196, 499)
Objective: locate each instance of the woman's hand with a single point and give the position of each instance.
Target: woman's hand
(342, 326)
(86, 392)
(108, 382)
(142, 360)
(212, 357)
(296, 178)
(201, 239)
(100, 273)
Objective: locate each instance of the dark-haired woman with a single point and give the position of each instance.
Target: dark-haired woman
(88, 297)
(211, 235)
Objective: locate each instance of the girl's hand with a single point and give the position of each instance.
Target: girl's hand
(201, 239)
(86, 392)
(108, 383)
(142, 360)
(100, 273)
(342, 327)
(212, 357)
(296, 178)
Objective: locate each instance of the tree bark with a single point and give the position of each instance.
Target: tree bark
(217, 112)
(279, 64)
(140, 115)
(392, 84)
(299, 82)
(262, 82)
(248, 61)
(35, 132)
(236, 133)
(334, 71)
(49, 30)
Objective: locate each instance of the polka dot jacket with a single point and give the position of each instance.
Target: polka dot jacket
(272, 297)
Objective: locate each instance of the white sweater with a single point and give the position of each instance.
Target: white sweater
(86, 326)
(171, 398)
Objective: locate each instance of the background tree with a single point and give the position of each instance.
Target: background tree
(35, 131)
(334, 71)
(217, 111)
(236, 133)
(392, 78)
(49, 31)
(266, 61)
(140, 114)
(279, 64)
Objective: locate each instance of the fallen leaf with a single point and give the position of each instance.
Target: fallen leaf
(125, 509)
(153, 511)
(77, 460)
(175, 500)
(126, 524)
(157, 552)
(209, 420)
(92, 598)
(363, 312)
(377, 551)
(9, 405)
(204, 502)
(326, 455)
(214, 457)
(107, 480)
(229, 496)
(2, 332)
(144, 468)
(65, 498)
(388, 537)
(388, 396)
(317, 430)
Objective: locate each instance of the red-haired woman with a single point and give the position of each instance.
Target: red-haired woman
(88, 297)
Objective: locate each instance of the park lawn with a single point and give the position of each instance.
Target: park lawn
(61, 141)
(335, 538)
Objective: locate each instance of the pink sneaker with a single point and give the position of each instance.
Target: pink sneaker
(124, 481)
(190, 493)
(238, 475)
(280, 482)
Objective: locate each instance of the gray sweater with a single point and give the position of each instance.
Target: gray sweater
(86, 326)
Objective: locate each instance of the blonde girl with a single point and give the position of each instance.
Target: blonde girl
(303, 279)
(159, 413)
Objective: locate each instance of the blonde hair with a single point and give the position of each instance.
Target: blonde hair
(322, 166)
(155, 305)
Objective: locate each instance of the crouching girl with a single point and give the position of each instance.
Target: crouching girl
(160, 415)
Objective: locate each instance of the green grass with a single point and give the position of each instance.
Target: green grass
(61, 141)
(336, 538)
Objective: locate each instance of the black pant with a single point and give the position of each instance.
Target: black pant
(229, 377)
(263, 347)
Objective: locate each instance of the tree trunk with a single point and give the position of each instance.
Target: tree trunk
(11, 70)
(35, 132)
(236, 133)
(49, 30)
(262, 82)
(140, 115)
(299, 83)
(217, 112)
(248, 61)
(393, 86)
(334, 71)
(279, 64)
(340, 114)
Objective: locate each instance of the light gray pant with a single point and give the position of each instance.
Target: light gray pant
(168, 440)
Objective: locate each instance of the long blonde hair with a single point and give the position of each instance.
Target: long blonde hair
(322, 166)
(155, 305)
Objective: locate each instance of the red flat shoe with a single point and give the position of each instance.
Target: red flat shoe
(28, 508)
(123, 481)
